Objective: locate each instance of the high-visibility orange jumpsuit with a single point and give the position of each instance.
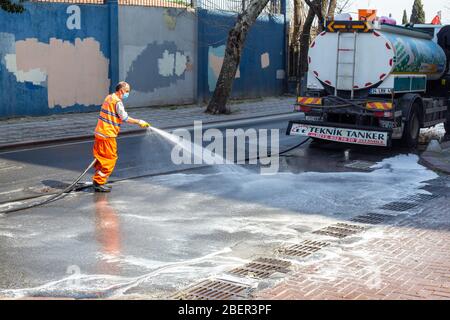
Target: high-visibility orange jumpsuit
(105, 145)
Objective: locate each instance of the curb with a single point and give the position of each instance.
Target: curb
(433, 160)
(5, 147)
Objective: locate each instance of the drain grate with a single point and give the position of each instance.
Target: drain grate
(360, 165)
(303, 249)
(340, 230)
(421, 197)
(372, 218)
(262, 268)
(214, 290)
(399, 206)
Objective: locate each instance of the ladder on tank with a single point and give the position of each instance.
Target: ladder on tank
(346, 61)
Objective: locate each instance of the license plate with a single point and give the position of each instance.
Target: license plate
(380, 91)
(365, 137)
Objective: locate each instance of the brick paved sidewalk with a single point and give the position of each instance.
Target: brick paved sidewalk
(407, 260)
(27, 130)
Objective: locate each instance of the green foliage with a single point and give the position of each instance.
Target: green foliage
(417, 14)
(405, 18)
(9, 6)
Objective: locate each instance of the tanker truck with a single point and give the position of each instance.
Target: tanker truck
(370, 83)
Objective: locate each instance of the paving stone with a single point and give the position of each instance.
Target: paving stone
(408, 260)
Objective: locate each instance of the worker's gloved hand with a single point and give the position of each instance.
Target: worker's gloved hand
(143, 124)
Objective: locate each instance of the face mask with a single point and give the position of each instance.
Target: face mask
(125, 95)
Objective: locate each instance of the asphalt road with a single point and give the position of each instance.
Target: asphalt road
(34, 171)
(154, 235)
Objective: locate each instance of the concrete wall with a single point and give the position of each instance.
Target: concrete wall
(261, 71)
(157, 55)
(53, 58)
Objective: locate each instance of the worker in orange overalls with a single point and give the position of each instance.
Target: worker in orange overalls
(112, 115)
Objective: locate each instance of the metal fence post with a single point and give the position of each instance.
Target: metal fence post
(113, 42)
(286, 17)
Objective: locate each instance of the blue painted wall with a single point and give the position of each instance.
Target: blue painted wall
(47, 55)
(49, 64)
(261, 71)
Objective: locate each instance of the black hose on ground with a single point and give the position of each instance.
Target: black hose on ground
(72, 186)
(280, 153)
(54, 197)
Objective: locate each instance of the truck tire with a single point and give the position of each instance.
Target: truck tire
(411, 131)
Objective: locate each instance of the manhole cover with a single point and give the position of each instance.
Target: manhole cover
(421, 197)
(214, 290)
(360, 165)
(399, 206)
(303, 249)
(372, 218)
(340, 230)
(262, 268)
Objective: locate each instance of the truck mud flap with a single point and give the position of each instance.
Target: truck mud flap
(339, 132)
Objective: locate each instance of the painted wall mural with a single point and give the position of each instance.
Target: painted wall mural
(261, 71)
(73, 73)
(215, 62)
(157, 47)
(51, 61)
(158, 61)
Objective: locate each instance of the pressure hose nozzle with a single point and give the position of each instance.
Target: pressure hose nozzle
(143, 124)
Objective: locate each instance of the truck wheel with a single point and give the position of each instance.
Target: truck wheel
(411, 132)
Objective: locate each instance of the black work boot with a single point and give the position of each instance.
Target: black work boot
(101, 188)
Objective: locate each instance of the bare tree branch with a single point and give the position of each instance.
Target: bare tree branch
(343, 5)
(316, 7)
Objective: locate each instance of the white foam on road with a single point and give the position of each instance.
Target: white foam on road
(310, 192)
(190, 226)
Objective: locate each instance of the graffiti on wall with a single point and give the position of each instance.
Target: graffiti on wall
(265, 60)
(157, 66)
(215, 61)
(261, 67)
(158, 57)
(74, 20)
(73, 73)
(54, 58)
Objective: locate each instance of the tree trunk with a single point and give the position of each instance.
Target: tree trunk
(323, 12)
(233, 51)
(298, 11)
(304, 42)
(319, 8)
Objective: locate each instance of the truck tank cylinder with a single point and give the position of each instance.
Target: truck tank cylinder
(337, 62)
